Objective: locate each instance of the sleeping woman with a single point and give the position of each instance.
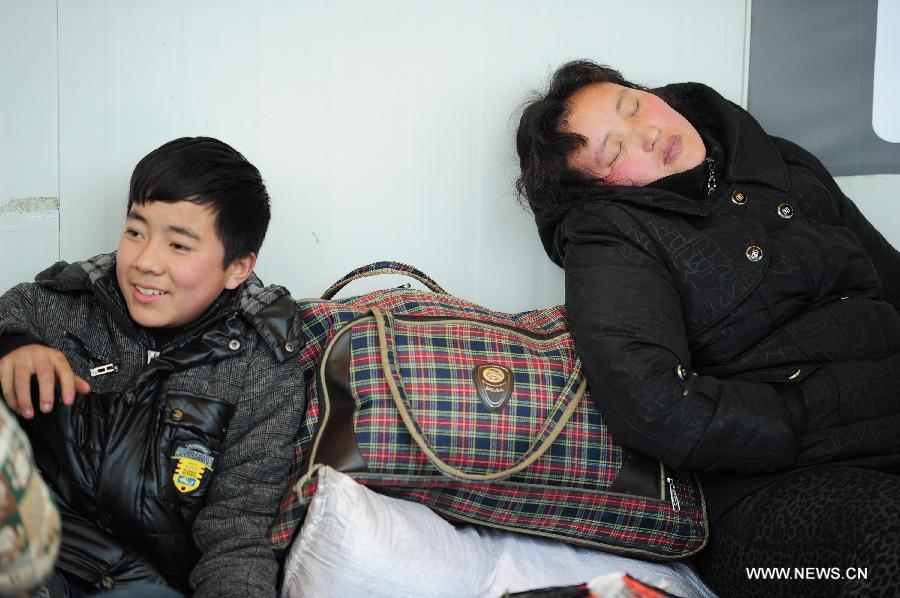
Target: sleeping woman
(736, 315)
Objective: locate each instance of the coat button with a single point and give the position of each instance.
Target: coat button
(754, 253)
(738, 198)
(289, 347)
(107, 583)
(785, 210)
(234, 344)
(681, 372)
(177, 415)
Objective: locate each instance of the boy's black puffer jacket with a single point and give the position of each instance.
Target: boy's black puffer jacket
(226, 392)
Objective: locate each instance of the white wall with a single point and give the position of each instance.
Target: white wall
(384, 129)
(878, 197)
(29, 188)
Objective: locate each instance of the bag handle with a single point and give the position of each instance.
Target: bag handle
(435, 460)
(386, 267)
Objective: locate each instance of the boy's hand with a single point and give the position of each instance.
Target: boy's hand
(47, 365)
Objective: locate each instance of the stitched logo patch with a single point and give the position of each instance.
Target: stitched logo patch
(193, 461)
(494, 384)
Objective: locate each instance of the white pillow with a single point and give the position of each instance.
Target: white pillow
(356, 542)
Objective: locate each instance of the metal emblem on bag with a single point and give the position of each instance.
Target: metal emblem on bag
(494, 384)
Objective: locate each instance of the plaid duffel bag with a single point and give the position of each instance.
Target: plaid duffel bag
(482, 416)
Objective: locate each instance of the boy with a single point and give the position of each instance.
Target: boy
(160, 386)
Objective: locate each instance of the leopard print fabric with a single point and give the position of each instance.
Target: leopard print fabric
(823, 527)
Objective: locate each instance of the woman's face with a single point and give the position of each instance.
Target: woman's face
(633, 137)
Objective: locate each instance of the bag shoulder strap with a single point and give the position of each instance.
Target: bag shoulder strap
(385, 267)
(534, 454)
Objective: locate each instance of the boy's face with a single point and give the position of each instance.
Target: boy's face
(169, 263)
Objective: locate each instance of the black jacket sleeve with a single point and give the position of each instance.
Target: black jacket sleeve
(11, 341)
(626, 319)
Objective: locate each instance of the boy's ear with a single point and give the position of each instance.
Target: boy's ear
(238, 271)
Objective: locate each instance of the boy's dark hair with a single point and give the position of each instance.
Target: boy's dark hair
(546, 182)
(211, 173)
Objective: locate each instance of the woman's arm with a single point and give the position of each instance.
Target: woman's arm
(626, 318)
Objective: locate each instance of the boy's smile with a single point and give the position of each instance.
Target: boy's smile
(169, 265)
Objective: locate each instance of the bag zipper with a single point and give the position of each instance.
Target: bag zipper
(673, 495)
(519, 330)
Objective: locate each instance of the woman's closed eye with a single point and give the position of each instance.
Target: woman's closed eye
(616, 156)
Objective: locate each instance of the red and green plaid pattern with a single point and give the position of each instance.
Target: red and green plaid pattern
(434, 343)
(620, 524)
(434, 360)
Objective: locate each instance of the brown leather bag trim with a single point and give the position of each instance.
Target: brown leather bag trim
(337, 445)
